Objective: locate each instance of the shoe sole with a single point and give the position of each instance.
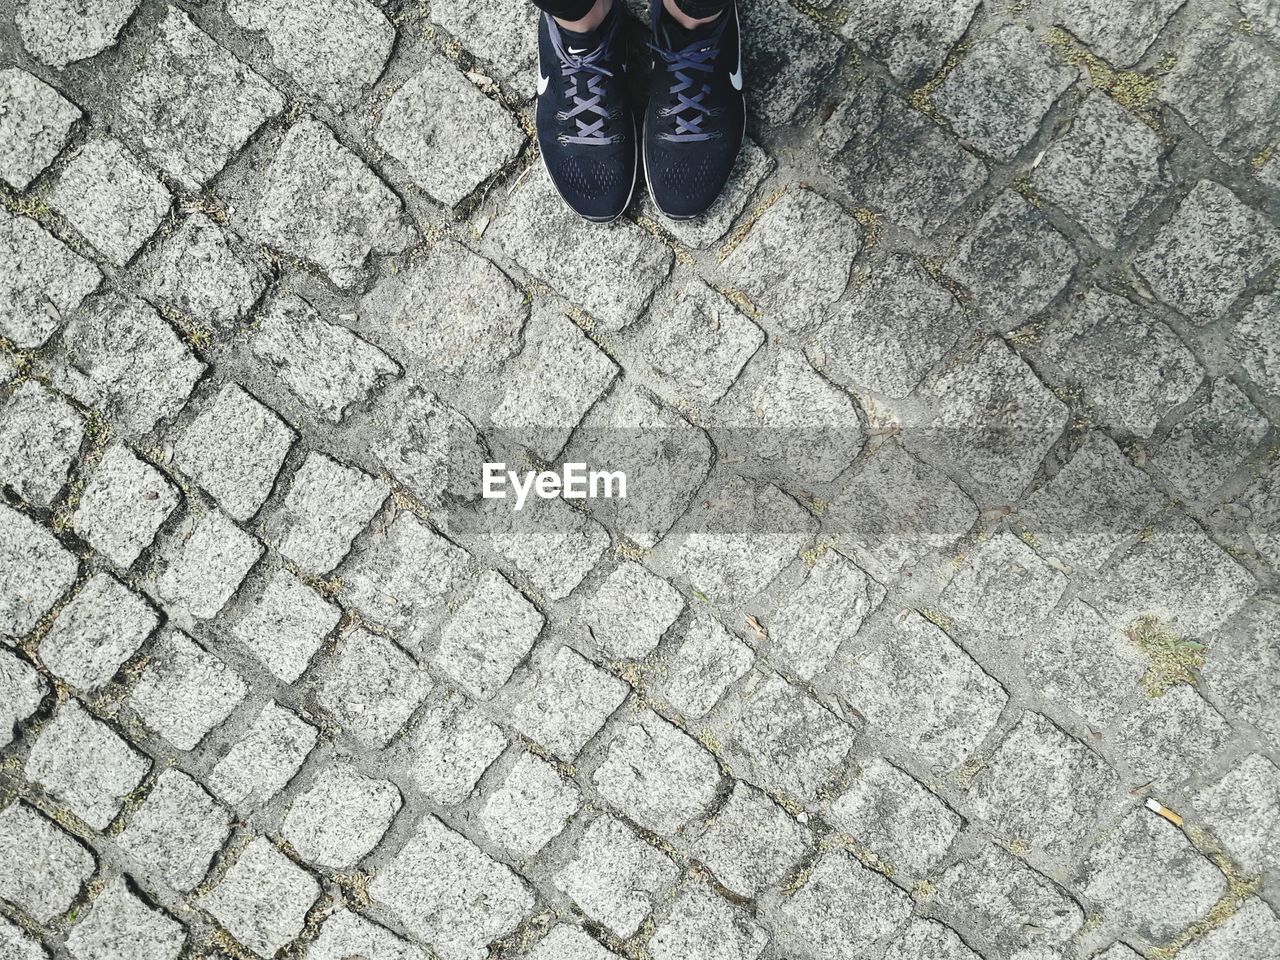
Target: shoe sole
(631, 194)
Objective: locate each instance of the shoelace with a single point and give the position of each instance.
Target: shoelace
(684, 65)
(587, 113)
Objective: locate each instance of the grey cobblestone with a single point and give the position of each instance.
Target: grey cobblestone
(36, 569)
(119, 924)
(751, 842)
(41, 282)
(700, 924)
(340, 817)
(21, 691)
(263, 899)
(488, 636)
(450, 747)
(203, 563)
(346, 934)
(185, 691)
(96, 632)
(34, 128)
(285, 624)
(177, 830)
(530, 808)
(1245, 934)
(264, 759)
(40, 437)
(1119, 32)
(63, 32)
(911, 38)
(708, 661)
(371, 687)
(123, 505)
(48, 890)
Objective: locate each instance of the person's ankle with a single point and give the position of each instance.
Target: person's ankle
(591, 21)
(683, 19)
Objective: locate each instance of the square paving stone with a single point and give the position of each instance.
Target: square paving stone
(551, 543)
(1227, 86)
(698, 343)
(926, 938)
(816, 922)
(898, 510)
(753, 166)
(701, 924)
(22, 690)
(85, 765)
(323, 364)
(1243, 669)
(35, 569)
(1158, 372)
(744, 536)
(119, 924)
(234, 448)
(1003, 589)
(827, 609)
(327, 505)
(1171, 737)
(708, 661)
(203, 563)
(797, 54)
(569, 943)
(47, 888)
(185, 691)
(656, 774)
(615, 877)
(1252, 342)
(110, 199)
(1015, 263)
(1239, 810)
(1011, 904)
(611, 272)
(345, 935)
(996, 98)
(781, 738)
(1080, 660)
(449, 136)
(467, 328)
(177, 830)
(1037, 761)
(1179, 575)
(896, 325)
(400, 577)
(18, 944)
(795, 262)
(371, 686)
(918, 686)
(898, 160)
(323, 204)
(126, 361)
(450, 746)
(1104, 172)
(1120, 32)
(1150, 878)
(911, 37)
(335, 49)
(197, 271)
(191, 104)
(900, 821)
(1208, 446)
(96, 632)
(530, 807)
(42, 281)
(751, 842)
(563, 701)
(40, 436)
(630, 611)
(1248, 934)
(61, 32)
(123, 505)
(285, 624)
(449, 892)
(488, 636)
(263, 759)
(35, 126)
(341, 817)
(991, 416)
(790, 418)
(1209, 251)
(263, 899)
(507, 46)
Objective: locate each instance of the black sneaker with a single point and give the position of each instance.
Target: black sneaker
(696, 119)
(586, 133)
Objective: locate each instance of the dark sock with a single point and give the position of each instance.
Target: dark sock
(682, 36)
(585, 40)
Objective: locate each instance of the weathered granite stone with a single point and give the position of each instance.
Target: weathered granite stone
(22, 690)
(41, 281)
(96, 632)
(493, 630)
(563, 701)
(371, 687)
(119, 924)
(40, 437)
(60, 32)
(264, 759)
(530, 807)
(263, 899)
(63, 867)
(177, 830)
(341, 817)
(123, 505)
(36, 570)
(185, 691)
(33, 128)
(708, 661)
(202, 563)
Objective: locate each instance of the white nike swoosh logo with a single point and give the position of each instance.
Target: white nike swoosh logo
(736, 77)
(542, 83)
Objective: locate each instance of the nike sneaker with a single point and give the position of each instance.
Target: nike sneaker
(696, 118)
(586, 133)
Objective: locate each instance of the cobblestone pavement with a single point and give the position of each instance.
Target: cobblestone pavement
(983, 342)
